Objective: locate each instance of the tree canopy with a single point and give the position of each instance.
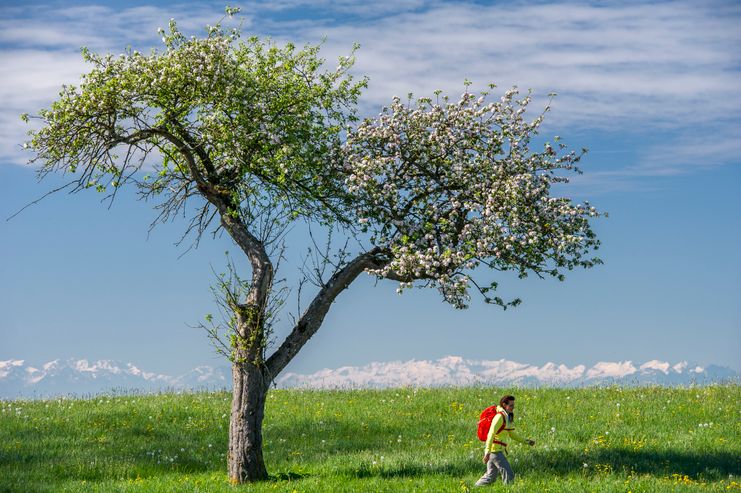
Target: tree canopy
(256, 124)
(446, 187)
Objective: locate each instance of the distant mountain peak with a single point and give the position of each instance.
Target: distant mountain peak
(457, 371)
(84, 377)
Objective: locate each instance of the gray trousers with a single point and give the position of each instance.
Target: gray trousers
(498, 463)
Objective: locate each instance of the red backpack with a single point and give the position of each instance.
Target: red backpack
(487, 416)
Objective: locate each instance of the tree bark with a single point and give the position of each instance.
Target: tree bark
(249, 384)
(249, 391)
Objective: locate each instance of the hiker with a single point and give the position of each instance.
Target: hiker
(495, 450)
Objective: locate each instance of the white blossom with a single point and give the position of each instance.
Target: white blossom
(445, 187)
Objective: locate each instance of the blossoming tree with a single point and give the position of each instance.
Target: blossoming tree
(252, 136)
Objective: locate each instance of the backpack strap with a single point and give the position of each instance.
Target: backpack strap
(504, 445)
(504, 423)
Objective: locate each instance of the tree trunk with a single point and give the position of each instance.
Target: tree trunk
(249, 384)
(245, 429)
(250, 371)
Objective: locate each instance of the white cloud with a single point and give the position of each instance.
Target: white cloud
(31, 78)
(651, 61)
(691, 151)
(43, 52)
(331, 8)
(618, 67)
(101, 28)
(681, 152)
(664, 67)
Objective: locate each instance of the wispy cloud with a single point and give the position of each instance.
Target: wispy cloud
(41, 51)
(619, 67)
(684, 151)
(693, 151)
(99, 27)
(668, 68)
(651, 62)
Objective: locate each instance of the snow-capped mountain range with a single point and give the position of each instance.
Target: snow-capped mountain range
(457, 371)
(81, 377)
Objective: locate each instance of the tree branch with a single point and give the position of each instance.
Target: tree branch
(312, 318)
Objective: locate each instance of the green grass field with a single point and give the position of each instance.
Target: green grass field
(593, 439)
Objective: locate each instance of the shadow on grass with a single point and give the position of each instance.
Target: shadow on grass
(288, 476)
(710, 467)
(454, 469)
(339, 436)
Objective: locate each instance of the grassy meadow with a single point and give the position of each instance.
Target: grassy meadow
(639, 439)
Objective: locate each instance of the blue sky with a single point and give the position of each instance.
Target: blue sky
(650, 88)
